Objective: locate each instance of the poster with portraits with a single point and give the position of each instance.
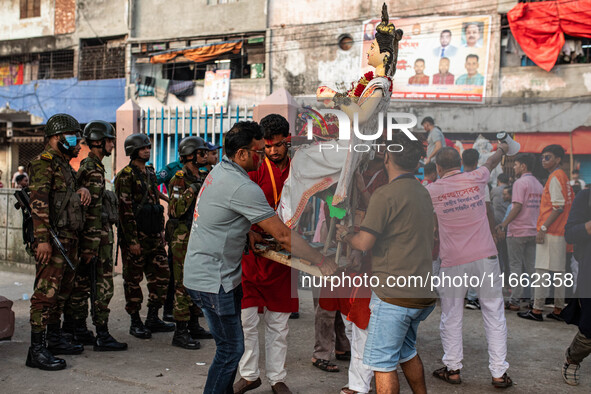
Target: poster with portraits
(441, 59)
(216, 89)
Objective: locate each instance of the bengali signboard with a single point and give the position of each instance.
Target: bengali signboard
(441, 59)
(216, 89)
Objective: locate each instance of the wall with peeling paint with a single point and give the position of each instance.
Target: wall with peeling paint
(12, 27)
(305, 35)
(161, 19)
(562, 81)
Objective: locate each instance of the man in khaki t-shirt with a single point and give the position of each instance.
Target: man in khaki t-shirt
(398, 229)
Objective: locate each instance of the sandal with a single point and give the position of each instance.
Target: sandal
(325, 365)
(503, 384)
(347, 390)
(444, 374)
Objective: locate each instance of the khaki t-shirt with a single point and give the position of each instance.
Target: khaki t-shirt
(400, 215)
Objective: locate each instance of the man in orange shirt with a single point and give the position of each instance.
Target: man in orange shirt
(557, 199)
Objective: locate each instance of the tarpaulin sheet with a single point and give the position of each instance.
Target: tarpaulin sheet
(199, 54)
(535, 142)
(84, 100)
(539, 27)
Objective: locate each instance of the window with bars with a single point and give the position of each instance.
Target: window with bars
(102, 59)
(30, 8)
(46, 65)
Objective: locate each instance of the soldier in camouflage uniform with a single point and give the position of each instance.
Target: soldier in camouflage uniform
(184, 188)
(96, 243)
(141, 237)
(56, 203)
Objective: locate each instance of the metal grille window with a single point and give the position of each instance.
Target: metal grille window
(56, 65)
(102, 59)
(47, 65)
(28, 151)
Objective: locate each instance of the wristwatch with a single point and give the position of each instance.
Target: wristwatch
(543, 228)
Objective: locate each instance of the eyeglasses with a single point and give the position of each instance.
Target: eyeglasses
(547, 157)
(258, 152)
(276, 145)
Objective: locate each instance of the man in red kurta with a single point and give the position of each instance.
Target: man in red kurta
(266, 284)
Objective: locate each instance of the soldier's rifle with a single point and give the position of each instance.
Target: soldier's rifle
(23, 202)
(93, 263)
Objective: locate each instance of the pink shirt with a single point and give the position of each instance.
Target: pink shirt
(527, 191)
(464, 232)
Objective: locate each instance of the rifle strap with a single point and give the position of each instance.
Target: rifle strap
(137, 173)
(70, 185)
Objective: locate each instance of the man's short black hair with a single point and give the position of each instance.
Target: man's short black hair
(472, 55)
(504, 178)
(470, 157)
(430, 168)
(509, 190)
(274, 124)
(428, 119)
(445, 31)
(526, 158)
(447, 157)
(420, 60)
(241, 136)
(20, 178)
(556, 150)
(412, 152)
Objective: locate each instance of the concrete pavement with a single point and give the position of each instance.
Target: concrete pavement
(536, 353)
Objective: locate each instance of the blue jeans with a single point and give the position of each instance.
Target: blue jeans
(391, 334)
(223, 314)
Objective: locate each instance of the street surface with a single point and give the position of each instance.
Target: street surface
(536, 354)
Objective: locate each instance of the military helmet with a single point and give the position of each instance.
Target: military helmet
(189, 145)
(61, 123)
(135, 142)
(97, 130)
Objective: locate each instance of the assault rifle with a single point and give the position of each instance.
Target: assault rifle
(93, 266)
(23, 202)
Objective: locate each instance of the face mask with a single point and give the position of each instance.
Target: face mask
(71, 140)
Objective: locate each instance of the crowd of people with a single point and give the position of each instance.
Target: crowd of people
(448, 226)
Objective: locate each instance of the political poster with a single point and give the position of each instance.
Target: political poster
(442, 59)
(216, 89)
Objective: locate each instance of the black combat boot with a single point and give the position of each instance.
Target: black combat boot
(58, 344)
(154, 323)
(138, 329)
(182, 338)
(105, 342)
(196, 331)
(40, 357)
(82, 334)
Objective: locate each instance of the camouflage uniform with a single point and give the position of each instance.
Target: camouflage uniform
(152, 261)
(184, 188)
(97, 239)
(52, 180)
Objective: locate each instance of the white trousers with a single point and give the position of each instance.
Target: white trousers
(493, 314)
(276, 330)
(359, 375)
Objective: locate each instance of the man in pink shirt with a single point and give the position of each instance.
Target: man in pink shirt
(520, 225)
(468, 255)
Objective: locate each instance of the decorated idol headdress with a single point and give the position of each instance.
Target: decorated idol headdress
(388, 37)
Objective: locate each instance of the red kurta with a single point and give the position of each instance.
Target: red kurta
(266, 283)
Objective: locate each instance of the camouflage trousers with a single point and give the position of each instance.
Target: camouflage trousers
(76, 307)
(153, 263)
(183, 305)
(53, 285)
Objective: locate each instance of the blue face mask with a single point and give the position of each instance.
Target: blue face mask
(71, 140)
